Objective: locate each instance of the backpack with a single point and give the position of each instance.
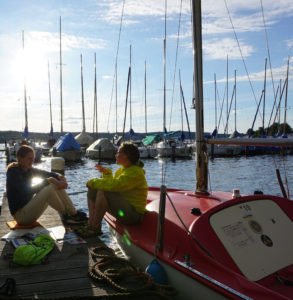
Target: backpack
(34, 251)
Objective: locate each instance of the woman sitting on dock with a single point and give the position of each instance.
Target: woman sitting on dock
(26, 202)
(123, 195)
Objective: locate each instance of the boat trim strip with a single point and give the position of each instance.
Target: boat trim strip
(227, 288)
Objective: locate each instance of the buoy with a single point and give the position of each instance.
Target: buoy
(157, 272)
(57, 164)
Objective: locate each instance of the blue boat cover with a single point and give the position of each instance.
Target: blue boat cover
(133, 134)
(25, 132)
(67, 142)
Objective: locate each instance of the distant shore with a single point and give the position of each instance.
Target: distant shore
(41, 136)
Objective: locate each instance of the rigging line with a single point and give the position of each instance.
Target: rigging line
(229, 110)
(286, 178)
(268, 49)
(273, 108)
(115, 69)
(185, 227)
(163, 171)
(281, 96)
(175, 67)
(242, 56)
(221, 110)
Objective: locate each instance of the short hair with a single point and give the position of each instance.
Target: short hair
(131, 151)
(24, 150)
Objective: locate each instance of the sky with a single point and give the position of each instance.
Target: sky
(237, 34)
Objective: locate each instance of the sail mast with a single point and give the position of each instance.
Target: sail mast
(201, 158)
(61, 100)
(130, 112)
(24, 91)
(164, 109)
(264, 97)
(82, 95)
(145, 100)
(95, 117)
(286, 95)
(235, 130)
(51, 131)
(227, 98)
(216, 121)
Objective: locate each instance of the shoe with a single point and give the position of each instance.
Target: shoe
(79, 218)
(88, 231)
(8, 287)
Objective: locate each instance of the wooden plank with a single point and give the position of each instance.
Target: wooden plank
(65, 274)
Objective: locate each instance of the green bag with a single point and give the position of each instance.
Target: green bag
(33, 252)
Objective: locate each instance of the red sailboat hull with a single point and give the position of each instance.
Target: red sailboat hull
(214, 260)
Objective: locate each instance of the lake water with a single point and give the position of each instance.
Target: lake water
(245, 173)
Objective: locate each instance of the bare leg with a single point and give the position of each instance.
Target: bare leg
(101, 206)
(91, 207)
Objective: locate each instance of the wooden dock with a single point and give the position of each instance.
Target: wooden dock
(65, 275)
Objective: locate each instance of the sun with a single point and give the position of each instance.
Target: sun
(29, 66)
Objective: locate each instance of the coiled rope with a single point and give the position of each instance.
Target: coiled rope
(112, 270)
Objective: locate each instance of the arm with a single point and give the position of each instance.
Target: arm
(54, 178)
(126, 180)
(24, 189)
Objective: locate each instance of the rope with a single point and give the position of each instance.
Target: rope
(268, 49)
(107, 271)
(115, 69)
(175, 67)
(241, 55)
(286, 178)
(191, 234)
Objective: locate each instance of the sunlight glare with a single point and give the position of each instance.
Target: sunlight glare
(30, 66)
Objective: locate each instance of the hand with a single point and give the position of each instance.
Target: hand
(60, 184)
(101, 169)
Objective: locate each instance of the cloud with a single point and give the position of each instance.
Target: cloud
(278, 74)
(246, 15)
(50, 41)
(134, 10)
(289, 43)
(220, 48)
(106, 77)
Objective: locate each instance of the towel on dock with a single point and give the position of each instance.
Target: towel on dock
(14, 225)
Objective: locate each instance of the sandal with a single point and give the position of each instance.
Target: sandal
(79, 218)
(88, 231)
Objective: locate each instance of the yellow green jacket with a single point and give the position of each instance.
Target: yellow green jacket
(130, 182)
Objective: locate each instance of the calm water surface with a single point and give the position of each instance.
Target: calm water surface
(247, 174)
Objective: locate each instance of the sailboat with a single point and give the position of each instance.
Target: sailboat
(225, 150)
(211, 244)
(51, 141)
(83, 139)
(101, 148)
(11, 150)
(170, 147)
(66, 146)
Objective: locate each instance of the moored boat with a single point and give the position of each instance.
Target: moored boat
(213, 245)
(101, 149)
(67, 147)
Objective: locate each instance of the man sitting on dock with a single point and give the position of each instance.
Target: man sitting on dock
(123, 195)
(26, 202)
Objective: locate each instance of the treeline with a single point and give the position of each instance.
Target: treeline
(43, 137)
(38, 136)
(273, 130)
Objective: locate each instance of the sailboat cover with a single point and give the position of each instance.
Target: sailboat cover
(67, 142)
(150, 139)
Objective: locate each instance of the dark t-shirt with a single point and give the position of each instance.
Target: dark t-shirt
(19, 185)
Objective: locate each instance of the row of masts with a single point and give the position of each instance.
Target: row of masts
(282, 88)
